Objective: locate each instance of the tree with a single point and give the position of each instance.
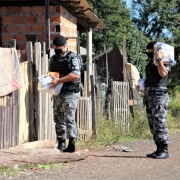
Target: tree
(116, 17)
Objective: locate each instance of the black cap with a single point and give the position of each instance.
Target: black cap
(59, 41)
(151, 45)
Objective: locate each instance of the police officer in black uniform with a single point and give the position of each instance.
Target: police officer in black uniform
(156, 101)
(65, 104)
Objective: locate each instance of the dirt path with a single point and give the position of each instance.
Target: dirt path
(111, 163)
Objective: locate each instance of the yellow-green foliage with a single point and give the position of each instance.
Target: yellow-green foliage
(108, 132)
(174, 110)
(139, 127)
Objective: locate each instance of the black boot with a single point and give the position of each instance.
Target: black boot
(155, 152)
(71, 146)
(163, 153)
(61, 144)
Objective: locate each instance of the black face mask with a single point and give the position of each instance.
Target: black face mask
(150, 55)
(58, 51)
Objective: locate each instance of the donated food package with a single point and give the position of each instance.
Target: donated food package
(44, 86)
(168, 51)
(54, 74)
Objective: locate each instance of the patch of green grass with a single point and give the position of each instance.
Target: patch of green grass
(173, 130)
(10, 171)
(7, 171)
(173, 119)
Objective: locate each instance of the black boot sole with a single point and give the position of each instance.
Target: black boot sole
(151, 155)
(69, 150)
(159, 157)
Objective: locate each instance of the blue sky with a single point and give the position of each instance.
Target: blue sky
(128, 2)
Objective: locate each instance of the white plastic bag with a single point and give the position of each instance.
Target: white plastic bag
(168, 51)
(141, 83)
(43, 85)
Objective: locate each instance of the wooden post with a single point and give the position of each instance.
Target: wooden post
(29, 52)
(89, 61)
(47, 26)
(93, 106)
(12, 43)
(124, 59)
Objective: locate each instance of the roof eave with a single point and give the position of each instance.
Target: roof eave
(82, 11)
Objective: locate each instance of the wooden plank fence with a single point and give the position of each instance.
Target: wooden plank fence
(84, 114)
(28, 114)
(120, 104)
(26, 70)
(9, 121)
(45, 126)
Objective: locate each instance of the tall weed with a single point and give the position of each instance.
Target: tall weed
(174, 109)
(139, 127)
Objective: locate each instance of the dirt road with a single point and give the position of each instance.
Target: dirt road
(111, 163)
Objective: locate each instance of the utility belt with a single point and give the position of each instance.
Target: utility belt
(161, 90)
(73, 88)
(160, 93)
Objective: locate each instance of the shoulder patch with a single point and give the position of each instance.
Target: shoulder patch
(74, 61)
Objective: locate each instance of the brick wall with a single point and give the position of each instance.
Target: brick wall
(17, 22)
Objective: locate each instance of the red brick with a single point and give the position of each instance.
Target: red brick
(6, 37)
(51, 8)
(13, 10)
(18, 19)
(41, 19)
(7, 20)
(20, 37)
(4, 45)
(62, 10)
(55, 19)
(30, 20)
(37, 10)
(3, 10)
(58, 9)
(4, 29)
(42, 37)
(25, 9)
(22, 47)
(52, 36)
(23, 56)
(38, 28)
(52, 28)
(26, 28)
(14, 28)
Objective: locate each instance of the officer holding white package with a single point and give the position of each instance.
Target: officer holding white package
(156, 101)
(65, 104)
